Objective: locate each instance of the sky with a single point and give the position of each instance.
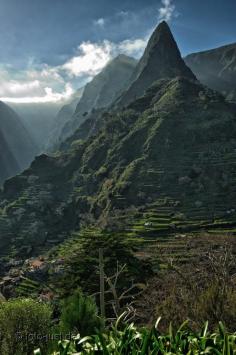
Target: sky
(50, 48)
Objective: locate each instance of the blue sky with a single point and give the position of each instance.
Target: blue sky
(48, 48)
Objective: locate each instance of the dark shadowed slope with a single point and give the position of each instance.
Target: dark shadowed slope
(17, 141)
(8, 164)
(216, 68)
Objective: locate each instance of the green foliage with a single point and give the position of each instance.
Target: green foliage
(130, 340)
(24, 324)
(77, 143)
(80, 315)
(81, 259)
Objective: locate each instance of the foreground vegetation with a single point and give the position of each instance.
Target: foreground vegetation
(140, 285)
(27, 325)
(130, 340)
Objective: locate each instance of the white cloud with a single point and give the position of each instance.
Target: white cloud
(16, 88)
(91, 59)
(134, 47)
(100, 22)
(53, 84)
(167, 11)
(42, 85)
(49, 96)
(123, 13)
(45, 73)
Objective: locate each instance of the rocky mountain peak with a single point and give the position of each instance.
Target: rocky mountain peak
(161, 59)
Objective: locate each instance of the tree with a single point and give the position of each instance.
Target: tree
(80, 315)
(82, 260)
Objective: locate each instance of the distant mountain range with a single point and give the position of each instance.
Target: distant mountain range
(38, 119)
(216, 68)
(167, 142)
(63, 116)
(17, 147)
(100, 92)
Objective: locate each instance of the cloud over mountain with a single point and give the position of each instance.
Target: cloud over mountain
(167, 11)
(43, 81)
(90, 60)
(46, 83)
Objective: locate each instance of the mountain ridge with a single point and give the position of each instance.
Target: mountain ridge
(101, 91)
(62, 117)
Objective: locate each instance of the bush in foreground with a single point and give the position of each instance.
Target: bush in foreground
(24, 323)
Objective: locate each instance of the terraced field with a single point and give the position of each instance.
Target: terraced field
(167, 237)
(28, 288)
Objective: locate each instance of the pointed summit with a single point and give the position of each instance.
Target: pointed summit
(161, 59)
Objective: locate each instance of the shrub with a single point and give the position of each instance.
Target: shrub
(201, 291)
(24, 324)
(217, 303)
(80, 315)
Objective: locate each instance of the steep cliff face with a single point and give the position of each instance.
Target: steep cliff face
(101, 91)
(216, 68)
(16, 142)
(161, 59)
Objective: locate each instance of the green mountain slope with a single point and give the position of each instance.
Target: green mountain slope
(173, 150)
